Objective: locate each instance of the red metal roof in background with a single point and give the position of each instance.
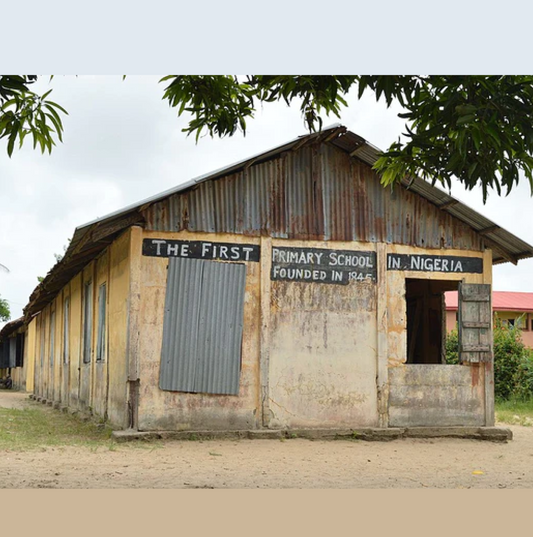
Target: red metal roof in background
(501, 301)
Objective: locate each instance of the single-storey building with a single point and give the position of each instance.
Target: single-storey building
(289, 290)
(12, 353)
(512, 308)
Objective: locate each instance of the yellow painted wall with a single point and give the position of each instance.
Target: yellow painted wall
(118, 308)
(99, 374)
(67, 381)
(75, 289)
(29, 355)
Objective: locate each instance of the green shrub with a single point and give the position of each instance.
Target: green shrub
(513, 362)
(523, 377)
(508, 353)
(452, 347)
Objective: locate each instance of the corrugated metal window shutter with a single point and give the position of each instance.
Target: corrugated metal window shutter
(4, 358)
(20, 350)
(202, 329)
(66, 331)
(12, 352)
(475, 323)
(87, 322)
(100, 343)
(52, 336)
(41, 349)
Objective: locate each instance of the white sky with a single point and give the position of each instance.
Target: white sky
(122, 143)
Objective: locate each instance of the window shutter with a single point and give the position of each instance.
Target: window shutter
(20, 350)
(12, 352)
(475, 323)
(202, 327)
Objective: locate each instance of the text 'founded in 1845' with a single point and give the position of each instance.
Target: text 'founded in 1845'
(316, 265)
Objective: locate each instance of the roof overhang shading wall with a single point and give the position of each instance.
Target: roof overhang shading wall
(11, 327)
(92, 238)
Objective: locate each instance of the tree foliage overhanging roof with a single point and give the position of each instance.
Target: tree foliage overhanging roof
(478, 129)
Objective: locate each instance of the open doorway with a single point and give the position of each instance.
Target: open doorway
(426, 320)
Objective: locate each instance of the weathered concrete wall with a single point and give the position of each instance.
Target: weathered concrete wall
(322, 355)
(76, 320)
(160, 409)
(118, 311)
(99, 367)
(409, 384)
(436, 395)
(29, 356)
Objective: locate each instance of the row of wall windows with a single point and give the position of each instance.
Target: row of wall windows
(87, 327)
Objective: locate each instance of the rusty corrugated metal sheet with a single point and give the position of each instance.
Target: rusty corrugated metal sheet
(317, 192)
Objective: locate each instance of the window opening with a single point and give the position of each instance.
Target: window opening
(52, 336)
(66, 330)
(87, 322)
(100, 341)
(426, 320)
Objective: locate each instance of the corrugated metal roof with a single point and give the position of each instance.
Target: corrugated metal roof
(11, 327)
(501, 301)
(93, 237)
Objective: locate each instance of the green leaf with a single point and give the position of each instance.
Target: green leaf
(58, 107)
(12, 138)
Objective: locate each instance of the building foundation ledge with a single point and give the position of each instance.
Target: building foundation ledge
(494, 434)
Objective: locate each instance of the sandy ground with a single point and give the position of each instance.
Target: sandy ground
(296, 463)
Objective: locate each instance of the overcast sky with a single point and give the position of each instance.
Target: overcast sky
(122, 143)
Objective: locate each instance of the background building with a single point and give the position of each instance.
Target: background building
(512, 308)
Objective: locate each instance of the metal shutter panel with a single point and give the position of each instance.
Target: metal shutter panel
(202, 327)
(180, 325)
(220, 328)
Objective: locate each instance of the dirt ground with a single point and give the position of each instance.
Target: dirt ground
(296, 463)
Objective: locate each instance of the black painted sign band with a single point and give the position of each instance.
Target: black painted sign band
(320, 265)
(201, 250)
(435, 263)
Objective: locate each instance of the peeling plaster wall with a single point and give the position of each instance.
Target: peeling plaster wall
(436, 395)
(322, 357)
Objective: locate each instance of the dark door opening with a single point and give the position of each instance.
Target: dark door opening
(426, 320)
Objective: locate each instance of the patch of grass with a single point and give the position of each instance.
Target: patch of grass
(39, 427)
(515, 412)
